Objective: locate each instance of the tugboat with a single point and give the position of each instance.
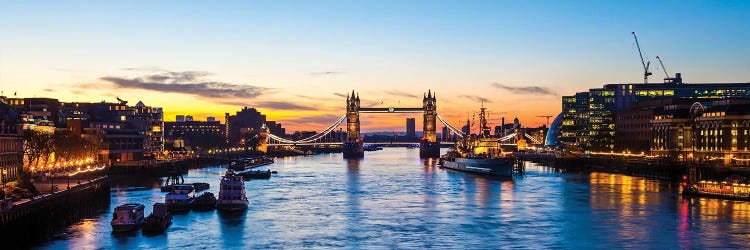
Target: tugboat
(232, 193)
(480, 154)
(205, 202)
(181, 198)
(127, 217)
(200, 186)
(159, 220)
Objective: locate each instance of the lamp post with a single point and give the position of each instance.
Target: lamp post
(5, 172)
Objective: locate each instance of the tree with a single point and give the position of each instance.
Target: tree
(36, 146)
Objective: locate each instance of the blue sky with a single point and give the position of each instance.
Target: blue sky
(458, 48)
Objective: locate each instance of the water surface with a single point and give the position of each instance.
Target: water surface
(392, 199)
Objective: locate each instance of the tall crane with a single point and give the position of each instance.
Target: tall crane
(545, 116)
(662, 66)
(645, 64)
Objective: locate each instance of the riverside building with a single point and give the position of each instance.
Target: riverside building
(589, 117)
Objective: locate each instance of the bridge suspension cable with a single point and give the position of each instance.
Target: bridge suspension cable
(311, 138)
(533, 139)
(507, 137)
(450, 127)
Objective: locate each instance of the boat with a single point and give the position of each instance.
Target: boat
(232, 193)
(255, 174)
(159, 219)
(732, 188)
(205, 202)
(127, 217)
(480, 154)
(250, 163)
(370, 147)
(200, 186)
(181, 198)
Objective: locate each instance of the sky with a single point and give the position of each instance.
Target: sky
(296, 60)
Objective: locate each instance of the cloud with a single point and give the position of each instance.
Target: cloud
(284, 106)
(269, 105)
(145, 69)
(316, 98)
(326, 73)
(187, 82)
(476, 98)
(536, 90)
(314, 119)
(340, 95)
(401, 93)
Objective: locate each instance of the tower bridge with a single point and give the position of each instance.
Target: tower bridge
(353, 145)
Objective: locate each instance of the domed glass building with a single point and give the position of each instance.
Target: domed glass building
(553, 133)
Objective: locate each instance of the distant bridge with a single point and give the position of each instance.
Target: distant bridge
(353, 126)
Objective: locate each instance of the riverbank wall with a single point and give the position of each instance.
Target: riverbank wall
(34, 221)
(654, 169)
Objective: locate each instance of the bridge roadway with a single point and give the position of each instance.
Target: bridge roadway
(391, 110)
(398, 144)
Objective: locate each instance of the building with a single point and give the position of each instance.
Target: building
(722, 132)
(633, 126)
(210, 119)
(245, 121)
(590, 122)
(196, 134)
(411, 131)
(11, 144)
(150, 121)
(275, 128)
(179, 118)
(446, 134)
(188, 118)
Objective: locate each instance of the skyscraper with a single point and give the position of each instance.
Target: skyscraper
(411, 128)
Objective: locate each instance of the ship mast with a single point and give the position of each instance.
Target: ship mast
(484, 128)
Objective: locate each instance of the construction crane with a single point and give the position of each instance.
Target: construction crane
(662, 66)
(545, 116)
(644, 63)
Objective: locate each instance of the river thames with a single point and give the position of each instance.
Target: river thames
(392, 199)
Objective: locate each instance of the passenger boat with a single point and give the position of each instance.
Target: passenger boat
(232, 193)
(127, 217)
(159, 219)
(732, 188)
(255, 174)
(181, 198)
(480, 154)
(205, 202)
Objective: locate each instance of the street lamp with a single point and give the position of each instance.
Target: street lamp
(5, 172)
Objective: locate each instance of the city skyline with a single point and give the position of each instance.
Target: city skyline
(296, 61)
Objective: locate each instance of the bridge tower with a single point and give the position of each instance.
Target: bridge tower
(353, 147)
(429, 147)
(263, 139)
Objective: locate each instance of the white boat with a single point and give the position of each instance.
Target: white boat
(232, 193)
(127, 217)
(180, 198)
(480, 154)
(489, 166)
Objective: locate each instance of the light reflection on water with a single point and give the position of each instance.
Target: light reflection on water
(392, 199)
